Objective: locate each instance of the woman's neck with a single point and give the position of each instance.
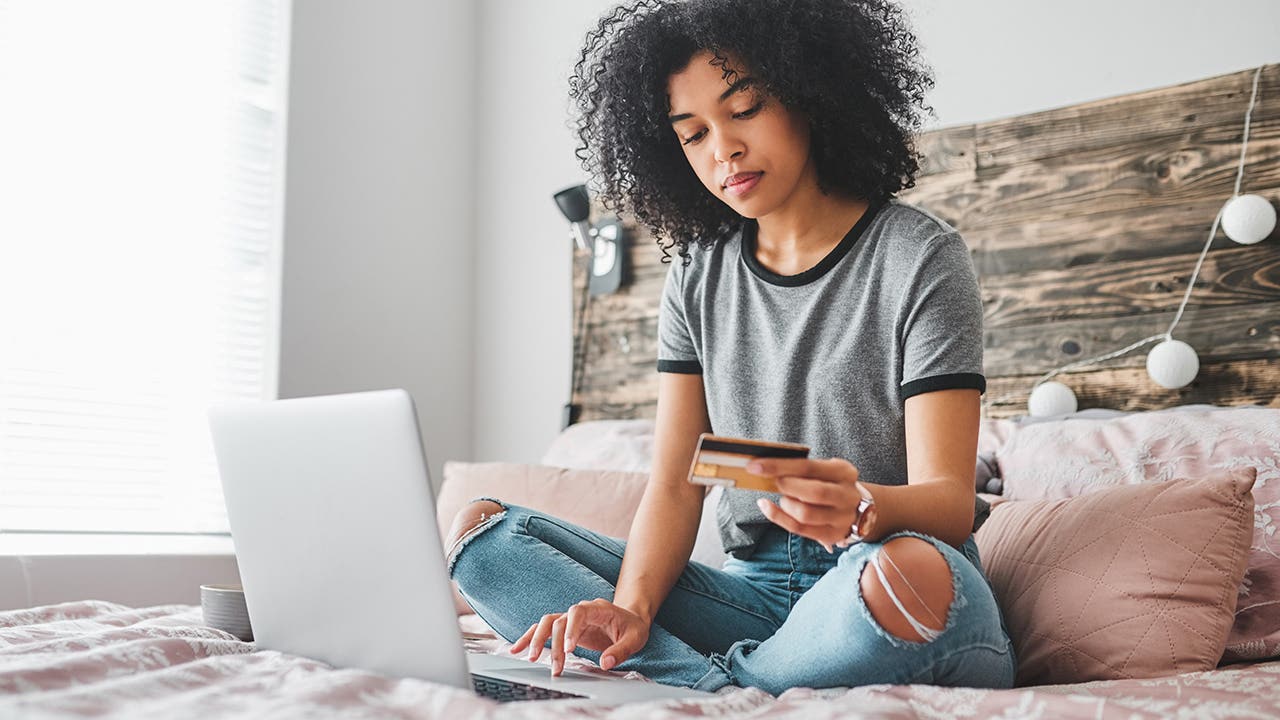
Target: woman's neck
(795, 237)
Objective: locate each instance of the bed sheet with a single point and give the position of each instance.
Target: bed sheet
(100, 659)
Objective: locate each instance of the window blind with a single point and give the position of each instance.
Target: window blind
(141, 191)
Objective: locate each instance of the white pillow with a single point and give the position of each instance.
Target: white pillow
(603, 445)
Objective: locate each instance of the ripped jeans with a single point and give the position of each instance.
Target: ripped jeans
(791, 615)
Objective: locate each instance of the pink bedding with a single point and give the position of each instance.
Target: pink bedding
(100, 659)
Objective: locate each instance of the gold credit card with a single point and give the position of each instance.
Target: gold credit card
(722, 461)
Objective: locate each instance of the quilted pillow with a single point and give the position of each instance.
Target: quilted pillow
(1136, 581)
(1069, 457)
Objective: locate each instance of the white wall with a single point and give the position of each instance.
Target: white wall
(996, 58)
(378, 249)
(991, 59)
(523, 247)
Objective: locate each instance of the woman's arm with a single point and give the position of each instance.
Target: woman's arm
(942, 450)
(659, 546)
(820, 497)
(666, 522)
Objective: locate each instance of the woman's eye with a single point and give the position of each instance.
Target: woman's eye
(695, 138)
(742, 115)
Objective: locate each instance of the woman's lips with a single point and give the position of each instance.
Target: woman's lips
(743, 187)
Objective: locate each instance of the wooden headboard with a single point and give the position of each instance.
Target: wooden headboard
(1084, 223)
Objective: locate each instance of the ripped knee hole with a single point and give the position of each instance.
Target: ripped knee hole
(470, 521)
(914, 606)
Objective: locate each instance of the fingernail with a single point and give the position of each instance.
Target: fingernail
(762, 503)
(755, 467)
(606, 662)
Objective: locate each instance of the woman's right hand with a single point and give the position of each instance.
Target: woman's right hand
(598, 625)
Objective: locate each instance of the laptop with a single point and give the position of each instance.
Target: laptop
(334, 525)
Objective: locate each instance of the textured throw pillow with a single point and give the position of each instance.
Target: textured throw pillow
(1074, 455)
(1128, 582)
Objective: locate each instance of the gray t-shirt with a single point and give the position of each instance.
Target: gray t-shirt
(826, 357)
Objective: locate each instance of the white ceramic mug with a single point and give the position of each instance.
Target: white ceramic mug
(224, 608)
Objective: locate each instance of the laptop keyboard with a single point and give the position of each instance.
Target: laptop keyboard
(506, 691)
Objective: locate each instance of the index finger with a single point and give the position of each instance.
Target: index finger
(809, 490)
(826, 469)
(557, 645)
(573, 627)
(802, 467)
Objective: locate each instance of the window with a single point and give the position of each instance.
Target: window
(141, 193)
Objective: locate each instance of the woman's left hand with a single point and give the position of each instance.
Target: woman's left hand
(819, 497)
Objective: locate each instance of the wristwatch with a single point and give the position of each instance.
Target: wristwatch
(865, 513)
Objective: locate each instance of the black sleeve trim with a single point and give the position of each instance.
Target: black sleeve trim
(944, 382)
(688, 367)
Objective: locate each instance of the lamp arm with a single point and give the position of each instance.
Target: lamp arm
(580, 350)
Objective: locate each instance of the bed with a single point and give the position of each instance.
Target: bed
(98, 659)
(1044, 200)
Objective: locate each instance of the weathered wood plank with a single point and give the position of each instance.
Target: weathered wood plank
(1231, 275)
(1149, 172)
(1201, 106)
(638, 389)
(617, 411)
(947, 150)
(1231, 382)
(1083, 210)
(1217, 333)
(618, 351)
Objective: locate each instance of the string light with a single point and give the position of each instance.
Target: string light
(1246, 219)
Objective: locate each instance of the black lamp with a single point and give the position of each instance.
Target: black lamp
(604, 246)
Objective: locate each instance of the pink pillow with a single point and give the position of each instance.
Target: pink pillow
(600, 500)
(1069, 457)
(1128, 582)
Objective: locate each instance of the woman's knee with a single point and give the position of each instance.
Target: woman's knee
(919, 577)
(474, 518)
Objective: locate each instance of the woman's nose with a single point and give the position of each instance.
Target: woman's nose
(728, 148)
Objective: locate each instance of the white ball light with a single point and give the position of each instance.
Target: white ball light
(1051, 398)
(1173, 364)
(1248, 219)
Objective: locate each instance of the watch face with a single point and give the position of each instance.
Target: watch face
(866, 510)
(863, 514)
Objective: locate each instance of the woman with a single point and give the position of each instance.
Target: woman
(816, 308)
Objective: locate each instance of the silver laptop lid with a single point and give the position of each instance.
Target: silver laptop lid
(334, 527)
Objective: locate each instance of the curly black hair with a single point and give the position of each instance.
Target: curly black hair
(851, 67)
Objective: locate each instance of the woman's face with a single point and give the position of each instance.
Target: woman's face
(730, 127)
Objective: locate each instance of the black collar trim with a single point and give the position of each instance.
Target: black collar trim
(747, 249)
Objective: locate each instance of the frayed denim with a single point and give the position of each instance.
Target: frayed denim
(792, 615)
